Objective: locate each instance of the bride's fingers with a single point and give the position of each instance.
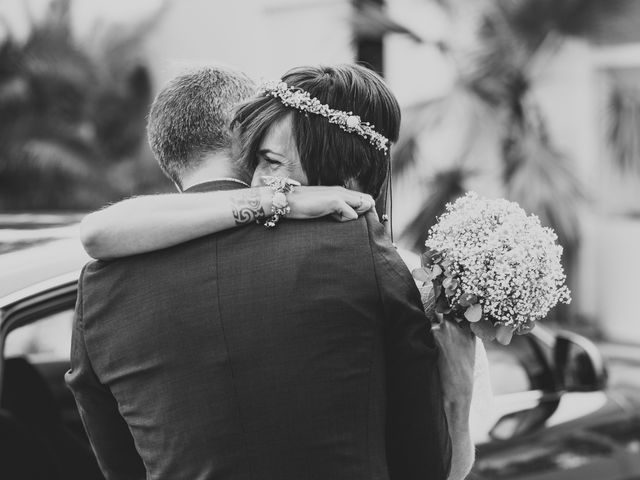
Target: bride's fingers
(360, 202)
(344, 213)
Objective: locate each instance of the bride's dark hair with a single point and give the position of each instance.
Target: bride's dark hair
(329, 155)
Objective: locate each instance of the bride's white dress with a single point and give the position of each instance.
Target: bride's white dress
(482, 414)
(482, 406)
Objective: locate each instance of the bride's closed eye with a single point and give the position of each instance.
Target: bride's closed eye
(271, 162)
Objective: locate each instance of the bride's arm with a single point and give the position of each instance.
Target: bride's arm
(147, 223)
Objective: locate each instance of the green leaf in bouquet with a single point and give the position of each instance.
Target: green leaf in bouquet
(427, 258)
(473, 313)
(484, 329)
(525, 328)
(451, 291)
(436, 271)
(427, 295)
(421, 274)
(429, 302)
(504, 334)
(450, 283)
(467, 299)
(437, 257)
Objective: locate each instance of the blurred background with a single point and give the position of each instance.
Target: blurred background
(534, 100)
(537, 101)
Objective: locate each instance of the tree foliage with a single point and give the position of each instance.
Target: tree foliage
(495, 75)
(72, 115)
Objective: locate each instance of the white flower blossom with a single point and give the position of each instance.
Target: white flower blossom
(504, 257)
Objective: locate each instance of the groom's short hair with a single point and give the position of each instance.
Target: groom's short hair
(190, 117)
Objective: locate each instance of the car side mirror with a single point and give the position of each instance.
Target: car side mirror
(523, 421)
(579, 365)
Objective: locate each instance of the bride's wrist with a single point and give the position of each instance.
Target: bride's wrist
(266, 200)
(249, 205)
(279, 190)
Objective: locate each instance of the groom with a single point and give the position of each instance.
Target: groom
(254, 354)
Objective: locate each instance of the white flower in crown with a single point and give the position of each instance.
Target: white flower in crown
(353, 121)
(300, 100)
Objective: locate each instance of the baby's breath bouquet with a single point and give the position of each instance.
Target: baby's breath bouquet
(491, 267)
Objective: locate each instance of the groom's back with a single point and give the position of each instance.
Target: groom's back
(303, 328)
(249, 354)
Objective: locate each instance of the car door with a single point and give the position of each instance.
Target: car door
(40, 426)
(36, 332)
(541, 433)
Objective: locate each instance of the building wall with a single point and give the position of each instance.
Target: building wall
(573, 89)
(263, 38)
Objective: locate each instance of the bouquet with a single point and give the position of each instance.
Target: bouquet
(491, 268)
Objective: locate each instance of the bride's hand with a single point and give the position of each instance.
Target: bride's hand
(341, 203)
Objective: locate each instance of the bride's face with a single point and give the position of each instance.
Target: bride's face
(278, 154)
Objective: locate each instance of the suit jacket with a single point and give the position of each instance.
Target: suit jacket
(300, 352)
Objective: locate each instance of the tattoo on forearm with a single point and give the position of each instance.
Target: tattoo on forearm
(246, 207)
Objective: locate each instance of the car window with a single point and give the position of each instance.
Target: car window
(46, 340)
(518, 367)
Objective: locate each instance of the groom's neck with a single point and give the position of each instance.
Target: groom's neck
(213, 167)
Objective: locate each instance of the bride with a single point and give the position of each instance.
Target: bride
(304, 130)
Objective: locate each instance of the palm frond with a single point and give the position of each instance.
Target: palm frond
(68, 114)
(124, 87)
(370, 20)
(443, 143)
(445, 187)
(45, 174)
(496, 68)
(462, 111)
(612, 22)
(120, 113)
(416, 119)
(542, 180)
(534, 19)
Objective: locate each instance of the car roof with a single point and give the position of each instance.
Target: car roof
(37, 248)
(33, 265)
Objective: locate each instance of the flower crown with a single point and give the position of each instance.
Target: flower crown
(300, 100)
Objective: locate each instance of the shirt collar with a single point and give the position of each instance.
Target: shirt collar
(217, 184)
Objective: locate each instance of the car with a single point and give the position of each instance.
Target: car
(555, 416)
